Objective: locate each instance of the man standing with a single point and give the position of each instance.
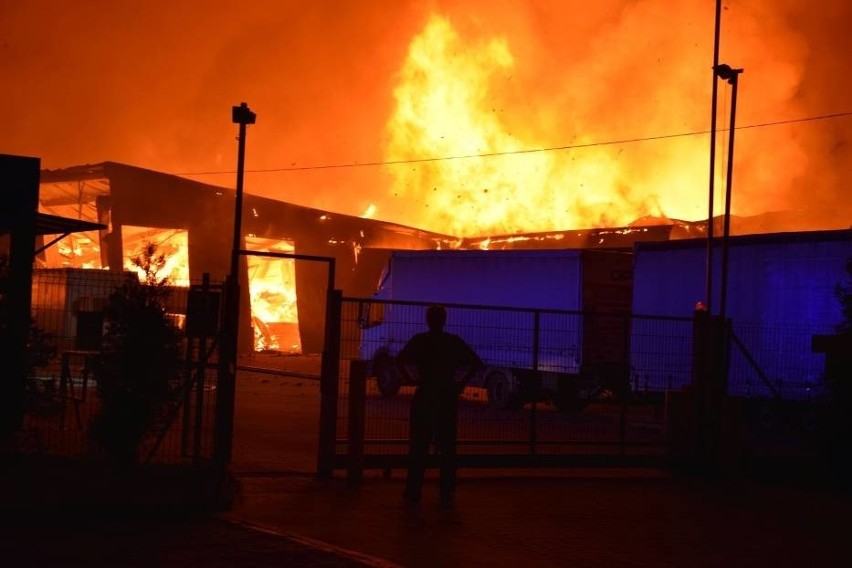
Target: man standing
(437, 356)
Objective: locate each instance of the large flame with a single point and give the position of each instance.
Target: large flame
(272, 282)
(327, 78)
(173, 245)
(448, 105)
(272, 288)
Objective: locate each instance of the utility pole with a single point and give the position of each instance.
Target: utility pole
(726, 73)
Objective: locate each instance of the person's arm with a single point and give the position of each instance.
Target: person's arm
(472, 361)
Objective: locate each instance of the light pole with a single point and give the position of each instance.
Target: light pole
(708, 290)
(243, 116)
(227, 375)
(726, 73)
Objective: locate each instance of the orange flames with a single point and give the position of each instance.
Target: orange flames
(539, 89)
(450, 104)
(365, 82)
(272, 282)
(553, 132)
(172, 244)
(272, 288)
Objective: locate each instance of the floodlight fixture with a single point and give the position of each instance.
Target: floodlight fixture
(242, 114)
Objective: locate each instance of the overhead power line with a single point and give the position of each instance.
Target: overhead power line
(518, 152)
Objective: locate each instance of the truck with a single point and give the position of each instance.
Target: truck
(781, 291)
(549, 324)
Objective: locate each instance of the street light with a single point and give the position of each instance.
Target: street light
(708, 290)
(243, 116)
(226, 382)
(731, 75)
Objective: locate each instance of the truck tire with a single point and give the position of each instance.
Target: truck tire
(502, 392)
(387, 376)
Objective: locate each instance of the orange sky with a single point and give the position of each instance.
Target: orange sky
(151, 84)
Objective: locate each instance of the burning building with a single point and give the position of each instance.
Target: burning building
(191, 223)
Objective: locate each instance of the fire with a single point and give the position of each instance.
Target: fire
(448, 104)
(552, 131)
(172, 244)
(272, 282)
(369, 212)
(272, 289)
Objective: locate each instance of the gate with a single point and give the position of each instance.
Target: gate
(315, 310)
(62, 394)
(563, 411)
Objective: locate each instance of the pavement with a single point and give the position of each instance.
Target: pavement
(283, 515)
(591, 518)
(606, 518)
(577, 518)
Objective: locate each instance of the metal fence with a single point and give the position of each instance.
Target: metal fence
(62, 392)
(573, 398)
(618, 370)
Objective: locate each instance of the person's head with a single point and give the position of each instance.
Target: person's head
(436, 317)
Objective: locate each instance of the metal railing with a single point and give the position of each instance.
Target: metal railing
(62, 395)
(592, 388)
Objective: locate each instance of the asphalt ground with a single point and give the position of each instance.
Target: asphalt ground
(531, 518)
(612, 517)
(572, 518)
(161, 541)
(284, 516)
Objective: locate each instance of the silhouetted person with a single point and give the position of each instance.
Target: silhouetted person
(437, 356)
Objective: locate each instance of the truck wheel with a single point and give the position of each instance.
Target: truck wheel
(387, 377)
(502, 394)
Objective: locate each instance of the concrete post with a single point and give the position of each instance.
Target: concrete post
(19, 177)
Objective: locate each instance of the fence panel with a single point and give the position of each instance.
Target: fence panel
(548, 353)
(660, 353)
(780, 354)
(62, 393)
(540, 350)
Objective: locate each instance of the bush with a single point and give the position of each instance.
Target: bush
(140, 363)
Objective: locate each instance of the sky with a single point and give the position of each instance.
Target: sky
(375, 106)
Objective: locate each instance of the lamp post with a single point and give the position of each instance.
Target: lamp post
(726, 73)
(708, 291)
(243, 116)
(226, 387)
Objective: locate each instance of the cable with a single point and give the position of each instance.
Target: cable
(518, 152)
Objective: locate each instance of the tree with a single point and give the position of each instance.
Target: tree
(140, 362)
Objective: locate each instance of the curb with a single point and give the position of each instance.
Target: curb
(315, 544)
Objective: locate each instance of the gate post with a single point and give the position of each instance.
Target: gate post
(536, 383)
(329, 385)
(357, 400)
(226, 376)
(709, 387)
(20, 178)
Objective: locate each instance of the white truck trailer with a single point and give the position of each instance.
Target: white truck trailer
(548, 323)
(781, 291)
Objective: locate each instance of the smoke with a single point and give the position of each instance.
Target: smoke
(151, 84)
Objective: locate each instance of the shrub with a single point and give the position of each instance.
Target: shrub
(139, 365)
